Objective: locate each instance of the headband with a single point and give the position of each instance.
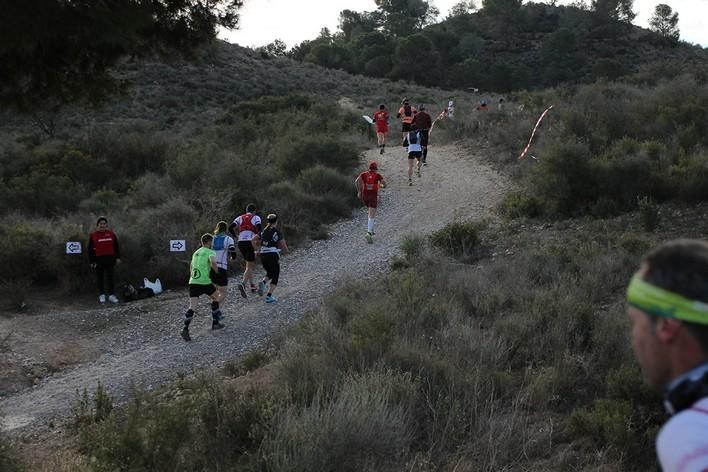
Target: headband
(659, 302)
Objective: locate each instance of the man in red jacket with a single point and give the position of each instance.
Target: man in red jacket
(104, 253)
(367, 185)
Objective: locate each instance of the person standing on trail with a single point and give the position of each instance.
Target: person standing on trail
(225, 249)
(367, 186)
(203, 263)
(270, 244)
(667, 304)
(422, 121)
(406, 114)
(415, 153)
(249, 225)
(381, 120)
(104, 253)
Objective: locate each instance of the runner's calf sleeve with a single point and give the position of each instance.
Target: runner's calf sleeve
(214, 306)
(370, 225)
(188, 318)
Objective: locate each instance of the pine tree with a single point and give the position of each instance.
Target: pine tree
(665, 22)
(54, 52)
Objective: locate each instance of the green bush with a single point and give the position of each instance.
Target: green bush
(293, 155)
(458, 239)
(648, 213)
(518, 204)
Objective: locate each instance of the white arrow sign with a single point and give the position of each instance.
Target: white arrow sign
(73, 247)
(178, 245)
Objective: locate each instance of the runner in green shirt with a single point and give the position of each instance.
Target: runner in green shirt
(203, 260)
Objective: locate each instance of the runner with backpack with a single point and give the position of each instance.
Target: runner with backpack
(415, 152)
(249, 225)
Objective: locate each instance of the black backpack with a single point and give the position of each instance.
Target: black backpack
(131, 294)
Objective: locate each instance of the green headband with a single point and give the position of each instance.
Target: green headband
(659, 302)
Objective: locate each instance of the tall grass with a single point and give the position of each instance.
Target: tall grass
(517, 362)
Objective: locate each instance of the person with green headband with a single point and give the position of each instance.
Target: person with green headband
(667, 304)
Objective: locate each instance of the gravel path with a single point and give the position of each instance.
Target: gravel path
(139, 343)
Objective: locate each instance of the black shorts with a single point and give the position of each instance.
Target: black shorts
(271, 264)
(196, 290)
(406, 127)
(424, 137)
(220, 278)
(247, 250)
(415, 154)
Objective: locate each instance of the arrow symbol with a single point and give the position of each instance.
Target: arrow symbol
(73, 247)
(177, 245)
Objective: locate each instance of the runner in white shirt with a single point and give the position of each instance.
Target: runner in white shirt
(224, 247)
(668, 306)
(249, 225)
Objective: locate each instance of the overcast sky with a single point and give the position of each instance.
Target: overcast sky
(293, 21)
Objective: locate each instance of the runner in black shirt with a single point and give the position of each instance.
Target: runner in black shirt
(270, 243)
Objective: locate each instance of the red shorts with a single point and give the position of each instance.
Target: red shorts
(381, 128)
(371, 200)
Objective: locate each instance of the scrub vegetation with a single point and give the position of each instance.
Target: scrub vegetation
(513, 355)
(519, 360)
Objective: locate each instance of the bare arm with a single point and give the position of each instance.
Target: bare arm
(359, 186)
(212, 263)
(282, 245)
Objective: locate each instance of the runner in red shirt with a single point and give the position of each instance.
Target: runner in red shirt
(367, 185)
(381, 120)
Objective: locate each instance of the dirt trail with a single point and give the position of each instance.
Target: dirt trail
(139, 343)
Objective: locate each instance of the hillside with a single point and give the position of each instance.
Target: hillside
(141, 157)
(529, 47)
(183, 96)
(483, 330)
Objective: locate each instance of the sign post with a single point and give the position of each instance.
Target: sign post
(178, 245)
(73, 247)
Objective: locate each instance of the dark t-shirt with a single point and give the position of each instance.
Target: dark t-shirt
(269, 239)
(422, 120)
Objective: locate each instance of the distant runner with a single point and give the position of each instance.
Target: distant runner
(203, 261)
(367, 186)
(270, 244)
(423, 122)
(415, 152)
(225, 249)
(249, 225)
(406, 114)
(381, 120)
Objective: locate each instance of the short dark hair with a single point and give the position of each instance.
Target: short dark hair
(382, 106)
(681, 266)
(101, 218)
(250, 208)
(206, 237)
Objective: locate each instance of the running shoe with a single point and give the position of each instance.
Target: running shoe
(270, 299)
(241, 289)
(185, 334)
(217, 315)
(381, 151)
(113, 299)
(253, 289)
(217, 325)
(261, 288)
(102, 299)
(410, 182)
(369, 238)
